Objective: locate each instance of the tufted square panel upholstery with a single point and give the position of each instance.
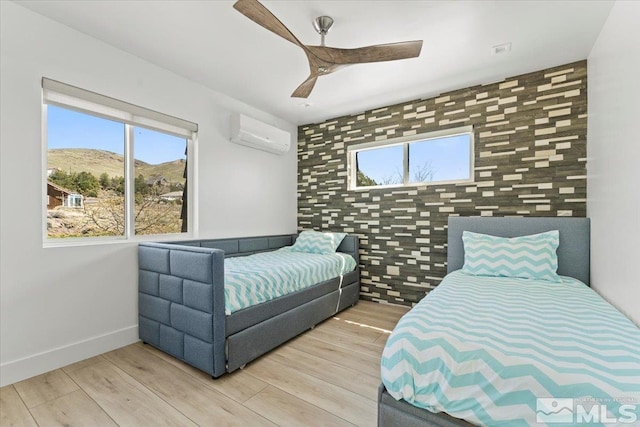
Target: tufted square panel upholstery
(280, 241)
(154, 308)
(191, 265)
(199, 354)
(171, 288)
(228, 246)
(149, 330)
(172, 341)
(254, 245)
(148, 282)
(192, 322)
(154, 259)
(198, 296)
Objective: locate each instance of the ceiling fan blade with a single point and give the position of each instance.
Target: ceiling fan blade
(376, 53)
(305, 88)
(255, 11)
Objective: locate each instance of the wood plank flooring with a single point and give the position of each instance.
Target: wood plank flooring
(327, 376)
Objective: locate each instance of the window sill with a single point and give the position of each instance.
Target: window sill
(98, 241)
(413, 185)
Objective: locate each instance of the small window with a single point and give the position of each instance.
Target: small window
(113, 169)
(436, 157)
(380, 166)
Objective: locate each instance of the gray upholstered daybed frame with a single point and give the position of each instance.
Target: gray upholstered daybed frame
(573, 261)
(182, 308)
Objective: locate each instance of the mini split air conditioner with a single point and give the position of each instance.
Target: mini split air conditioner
(256, 134)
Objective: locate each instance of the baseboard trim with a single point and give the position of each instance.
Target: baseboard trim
(30, 366)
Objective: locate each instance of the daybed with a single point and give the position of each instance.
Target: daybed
(182, 302)
(498, 349)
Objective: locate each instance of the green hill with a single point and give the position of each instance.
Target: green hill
(98, 162)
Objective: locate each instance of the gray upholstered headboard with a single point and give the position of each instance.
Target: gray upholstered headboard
(573, 251)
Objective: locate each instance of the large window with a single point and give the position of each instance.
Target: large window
(436, 157)
(113, 169)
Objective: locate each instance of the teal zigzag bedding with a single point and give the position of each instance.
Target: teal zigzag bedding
(484, 349)
(251, 280)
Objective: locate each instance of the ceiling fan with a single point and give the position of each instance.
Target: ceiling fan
(325, 60)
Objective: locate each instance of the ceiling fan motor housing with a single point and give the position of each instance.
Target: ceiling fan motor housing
(323, 24)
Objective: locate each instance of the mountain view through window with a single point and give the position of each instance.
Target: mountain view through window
(88, 192)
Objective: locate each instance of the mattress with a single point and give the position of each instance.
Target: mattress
(516, 352)
(254, 279)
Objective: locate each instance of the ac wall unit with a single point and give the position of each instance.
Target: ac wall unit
(256, 134)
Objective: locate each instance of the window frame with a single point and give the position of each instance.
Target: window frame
(405, 141)
(84, 101)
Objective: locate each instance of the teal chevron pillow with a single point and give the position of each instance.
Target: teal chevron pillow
(527, 257)
(316, 242)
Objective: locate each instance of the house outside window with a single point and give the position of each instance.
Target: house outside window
(113, 170)
(441, 157)
(59, 196)
(74, 201)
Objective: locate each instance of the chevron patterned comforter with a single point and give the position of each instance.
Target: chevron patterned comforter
(251, 280)
(485, 348)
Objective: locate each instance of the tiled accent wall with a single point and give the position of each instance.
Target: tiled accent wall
(530, 148)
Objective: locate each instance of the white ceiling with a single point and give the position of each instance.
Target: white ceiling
(213, 44)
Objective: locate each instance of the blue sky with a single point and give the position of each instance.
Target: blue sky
(70, 129)
(448, 157)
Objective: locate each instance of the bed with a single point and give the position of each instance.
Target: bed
(219, 304)
(508, 351)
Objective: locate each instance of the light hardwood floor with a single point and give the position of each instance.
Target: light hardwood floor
(328, 376)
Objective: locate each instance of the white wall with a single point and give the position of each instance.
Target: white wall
(60, 305)
(614, 159)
